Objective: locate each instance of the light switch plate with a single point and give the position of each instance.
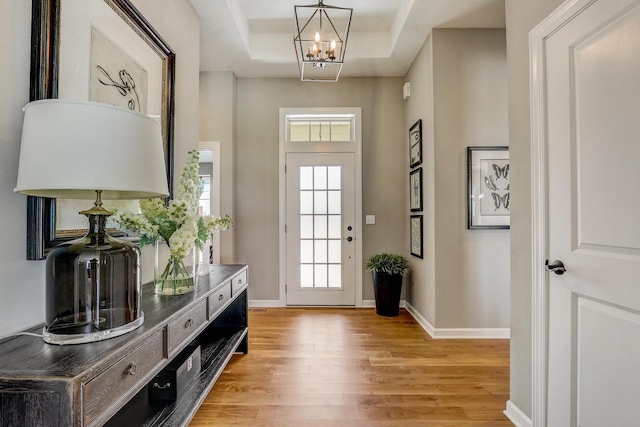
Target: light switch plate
(370, 219)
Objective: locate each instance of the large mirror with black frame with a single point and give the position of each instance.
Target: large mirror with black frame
(102, 51)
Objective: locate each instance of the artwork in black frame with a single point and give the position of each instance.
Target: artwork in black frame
(415, 144)
(488, 188)
(46, 26)
(415, 190)
(416, 236)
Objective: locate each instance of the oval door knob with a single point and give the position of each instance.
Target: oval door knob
(349, 239)
(556, 266)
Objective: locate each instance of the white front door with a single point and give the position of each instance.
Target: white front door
(320, 229)
(593, 158)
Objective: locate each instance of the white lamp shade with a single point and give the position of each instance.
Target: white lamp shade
(71, 149)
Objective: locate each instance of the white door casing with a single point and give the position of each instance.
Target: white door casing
(585, 63)
(320, 229)
(355, 147)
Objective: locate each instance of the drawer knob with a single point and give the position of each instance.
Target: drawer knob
(132, 368)
(188, 323)
(221, 297)
(240, 281)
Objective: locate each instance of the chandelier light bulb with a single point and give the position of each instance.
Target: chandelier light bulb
(317, 37)
(333, 44)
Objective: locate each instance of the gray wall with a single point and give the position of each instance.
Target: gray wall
(218, 123)
(421, 293)
(522, 17)
(385, 175)
(459, 90)
(470, 109)
(22, 282)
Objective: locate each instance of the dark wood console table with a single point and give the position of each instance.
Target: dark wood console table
(107, 382)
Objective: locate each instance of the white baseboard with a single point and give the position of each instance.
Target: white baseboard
(264, 303)
(516, 416)
(371, 303)
(457, 333)
(421, 320)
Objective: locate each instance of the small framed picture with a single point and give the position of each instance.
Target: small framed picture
(488, 188)
(415, 190)
(415, 144)
(416, 236)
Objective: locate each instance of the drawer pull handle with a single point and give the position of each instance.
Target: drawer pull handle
(240, 281)
(132, 368)
(221, 297)
(188, 323)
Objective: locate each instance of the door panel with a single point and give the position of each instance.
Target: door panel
(320, 210)
(592, 114)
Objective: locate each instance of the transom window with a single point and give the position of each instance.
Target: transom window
(319, 128)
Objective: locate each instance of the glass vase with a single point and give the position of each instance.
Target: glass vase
(173, 275)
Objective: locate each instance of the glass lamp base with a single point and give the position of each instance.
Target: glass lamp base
(76, 336)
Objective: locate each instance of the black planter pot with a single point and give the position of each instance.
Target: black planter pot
(386, 288)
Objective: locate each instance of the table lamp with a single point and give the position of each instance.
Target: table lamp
(87, 150)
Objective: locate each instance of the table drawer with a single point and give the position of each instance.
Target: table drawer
(217, 299)
(238, 282)
(181, 328)
(121, 378)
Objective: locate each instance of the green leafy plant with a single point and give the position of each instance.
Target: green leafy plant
(177, 223)
(392, 264)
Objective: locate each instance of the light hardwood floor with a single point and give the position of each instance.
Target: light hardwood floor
(322, 367)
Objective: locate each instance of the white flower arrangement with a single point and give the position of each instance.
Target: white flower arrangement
(179, 223)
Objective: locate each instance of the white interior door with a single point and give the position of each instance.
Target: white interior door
(593, 142)
(320, 229)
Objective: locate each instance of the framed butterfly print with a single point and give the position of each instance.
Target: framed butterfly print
(415, 144)
(488, 187)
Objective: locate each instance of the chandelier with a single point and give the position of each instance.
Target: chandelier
(320, 39)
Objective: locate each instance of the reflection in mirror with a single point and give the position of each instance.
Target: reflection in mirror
(210, 200)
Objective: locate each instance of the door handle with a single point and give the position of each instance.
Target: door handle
(556, 266)
(349, 239)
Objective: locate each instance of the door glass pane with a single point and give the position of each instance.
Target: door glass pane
(320, 227)
(333, 177)
(320, 178)
(320, 249)
(306, 226)
(306, 202)
(306, 251)
(321, 276)
(334, 202)
(335, 251)
(306, 178)
(334, 227)
(306, 276)
(320, 202)
(335, 276)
